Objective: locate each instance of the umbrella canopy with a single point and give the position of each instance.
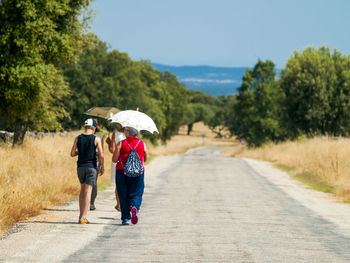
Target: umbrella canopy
(135, 119)
(103, 112)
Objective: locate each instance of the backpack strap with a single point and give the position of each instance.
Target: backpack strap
(135, 145)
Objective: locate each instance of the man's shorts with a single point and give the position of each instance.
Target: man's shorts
(87, 175)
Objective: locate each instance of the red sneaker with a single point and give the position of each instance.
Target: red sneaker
(134, 217)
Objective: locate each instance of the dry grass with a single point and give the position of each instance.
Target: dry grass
(42, 173)
(35, 176)
(322, 162)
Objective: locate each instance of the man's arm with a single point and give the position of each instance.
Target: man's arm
(74, 151)
(116, 153)
(98, 144)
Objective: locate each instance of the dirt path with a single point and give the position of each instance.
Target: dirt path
(198, 207)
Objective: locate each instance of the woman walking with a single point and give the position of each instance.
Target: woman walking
(116, 138)
(130, 188)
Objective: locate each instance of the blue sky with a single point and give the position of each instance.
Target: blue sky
(221, 32)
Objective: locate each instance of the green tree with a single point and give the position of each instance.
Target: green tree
(317, 84)
(222, 113)
(197, 112)
(201, 107)
(97, 79)
(36, 36)
(102, 78)
(255, 115)
(174, 102)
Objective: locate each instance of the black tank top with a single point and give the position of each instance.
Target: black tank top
(86, 151)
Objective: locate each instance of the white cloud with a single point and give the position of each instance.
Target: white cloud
(217, 81)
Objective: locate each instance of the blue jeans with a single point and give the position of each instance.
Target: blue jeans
(130, 191)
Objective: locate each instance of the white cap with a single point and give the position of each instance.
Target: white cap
(90, 122)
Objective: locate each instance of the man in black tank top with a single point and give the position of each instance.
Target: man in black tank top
(85, 146)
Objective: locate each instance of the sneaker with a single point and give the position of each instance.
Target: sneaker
(134, 217)
(92, 207)
(126, 222)
(84, 221)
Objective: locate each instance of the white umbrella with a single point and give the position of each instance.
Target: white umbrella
(134, 119)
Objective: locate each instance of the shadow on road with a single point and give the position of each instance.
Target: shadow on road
(61, 210)
(69, 223)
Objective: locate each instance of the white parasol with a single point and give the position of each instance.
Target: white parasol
(135, 119)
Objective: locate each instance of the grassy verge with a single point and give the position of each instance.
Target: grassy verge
(42, 173)
(321, 163)
(104, 185)
(314, 182)
(285, 168)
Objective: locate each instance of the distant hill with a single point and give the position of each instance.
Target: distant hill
(215, 81)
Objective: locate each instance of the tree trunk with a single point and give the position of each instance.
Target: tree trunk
(19, 133)
(218, 133)
(189, 128)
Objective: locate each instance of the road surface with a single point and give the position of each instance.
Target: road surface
(198, 207)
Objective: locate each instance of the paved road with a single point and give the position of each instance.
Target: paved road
(211, 208)
(198, 207)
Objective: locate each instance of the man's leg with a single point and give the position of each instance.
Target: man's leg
(81, 177)
(94, 193)
(86, 199)
(89, 180)
(81, 200)
(93, 197)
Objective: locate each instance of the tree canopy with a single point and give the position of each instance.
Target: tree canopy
(52, 71)
(36, 36)
(112, 78)
(310, 97)
(255, 115)
(201, 107)
(316, 84)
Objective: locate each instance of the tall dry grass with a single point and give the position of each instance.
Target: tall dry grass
(42, 173)
(35, 176)
(321, 160)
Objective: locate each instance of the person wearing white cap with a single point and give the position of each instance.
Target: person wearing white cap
(85, 146)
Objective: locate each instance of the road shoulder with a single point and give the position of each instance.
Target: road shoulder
(323, 204)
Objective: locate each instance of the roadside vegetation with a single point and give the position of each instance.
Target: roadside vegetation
(41, 173)
(45, 89)
(38, 174)
(298, 119)
(322, 162)
(53, 70)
